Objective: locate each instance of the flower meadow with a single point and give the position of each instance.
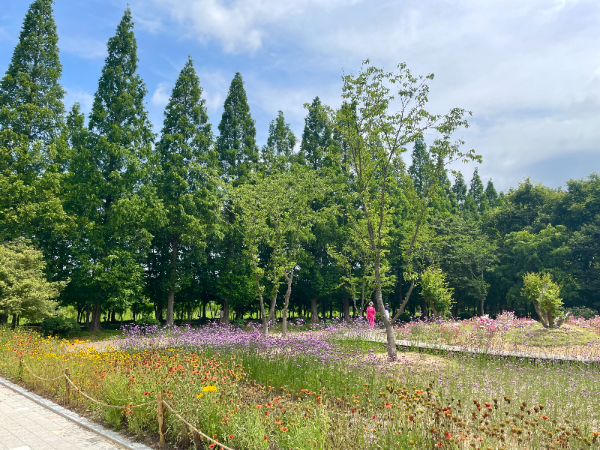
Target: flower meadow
(577, 338)
(326, 388)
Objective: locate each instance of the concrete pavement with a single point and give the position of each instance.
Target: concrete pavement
(27, 425)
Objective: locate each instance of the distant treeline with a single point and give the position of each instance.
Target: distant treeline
(143, 222)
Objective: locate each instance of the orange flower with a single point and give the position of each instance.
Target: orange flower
(284, 429)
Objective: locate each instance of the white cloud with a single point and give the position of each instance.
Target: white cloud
(161, 95)
(240, 25)
(529, 71)
(83, 47)
(77, 94)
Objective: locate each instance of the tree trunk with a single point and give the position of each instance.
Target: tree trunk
(3, 319)
(389, 329)
(87, 315)
(424, 312)
(314, 313)
(225, 319)
(172, 275)
(538, 309)
(481, 301)
(113, 316)
(346, 308)
(96, 315)
(189, 314)
(273, 307)
(204, 310)
(13, 324)
(286, 302)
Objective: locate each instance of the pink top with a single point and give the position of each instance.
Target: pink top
(370, 313)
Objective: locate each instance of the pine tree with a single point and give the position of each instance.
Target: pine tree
(420, 168)
(460, 189)
(476, 191)
(107, 180)
(184, 150)
(490, 194)
(236, 144)
(237, 153)
(31, 97)
(31, 125)
(280, 143)
(316, 136)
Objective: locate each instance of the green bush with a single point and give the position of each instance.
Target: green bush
(59, 325)
(583, 311)
(147, 321)
(239, 323)
(404, 317)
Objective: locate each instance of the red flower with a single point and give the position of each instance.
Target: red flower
(545, 417)
(439, 444)
(266, 438)
(211, 446)
(231, 436)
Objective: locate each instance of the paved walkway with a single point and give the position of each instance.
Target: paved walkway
(27, 425)
(381, 337)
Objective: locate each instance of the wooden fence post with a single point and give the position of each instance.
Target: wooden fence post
(67, 387)
(161, 418)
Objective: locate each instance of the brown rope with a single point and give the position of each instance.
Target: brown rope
(40, 378)
(223, 446)
(102, 403)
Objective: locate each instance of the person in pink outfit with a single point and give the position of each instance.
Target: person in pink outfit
(371, 314)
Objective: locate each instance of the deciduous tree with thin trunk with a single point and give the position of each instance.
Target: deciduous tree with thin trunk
(275, 215)
(382, 112)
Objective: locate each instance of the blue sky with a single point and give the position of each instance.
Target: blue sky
(528, 70)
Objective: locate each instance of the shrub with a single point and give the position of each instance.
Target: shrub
(435, 290)
(583, 312)
(545, 295)
(404, 317)
(239, 323)
(59, 325)
(147, 321)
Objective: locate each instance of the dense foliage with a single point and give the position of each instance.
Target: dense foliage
(175, 224)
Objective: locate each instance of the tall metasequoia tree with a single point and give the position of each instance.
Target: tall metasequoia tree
(319, 267)
(277, 153)
(31, 98)
(420, 169)
(316, 137)
(237, 154)
(108, 191)
(185, 154)
(491, 194)
(476, 191)
(236, 144)
(31, 122)
(460, 189)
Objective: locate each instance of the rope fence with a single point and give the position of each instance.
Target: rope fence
(160, 408)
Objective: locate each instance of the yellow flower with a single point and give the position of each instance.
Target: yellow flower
(209, 389)
(200, 395)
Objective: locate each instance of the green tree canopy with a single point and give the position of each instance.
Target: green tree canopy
(24, 290)
(236, 144)
(185, 155)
